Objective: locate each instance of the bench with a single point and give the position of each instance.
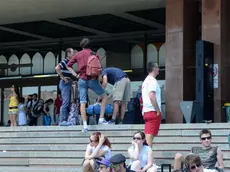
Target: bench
(57, 148)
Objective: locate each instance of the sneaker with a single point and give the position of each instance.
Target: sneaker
(112, 122)
(85, 130)
(64, 123)
(102, 122)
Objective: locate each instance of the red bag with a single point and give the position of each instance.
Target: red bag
(94, 67)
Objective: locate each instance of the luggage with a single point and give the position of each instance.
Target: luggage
(95, 109)
(134, 114)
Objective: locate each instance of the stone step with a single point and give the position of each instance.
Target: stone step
(52, 169)
(212, 126)
(113, 140)
(68, 162)
(56, 146)
(75, 134)
(116, 147)
(80, 154)
(39, 169)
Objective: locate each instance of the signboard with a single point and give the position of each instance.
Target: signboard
(215, 75)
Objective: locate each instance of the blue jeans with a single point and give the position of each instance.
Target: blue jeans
(94, 85)
(66, 99)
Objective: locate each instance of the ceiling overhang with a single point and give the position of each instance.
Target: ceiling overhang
(31, 22)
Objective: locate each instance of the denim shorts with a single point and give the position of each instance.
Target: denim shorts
(94, 85)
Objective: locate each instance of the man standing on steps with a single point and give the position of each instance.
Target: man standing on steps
(85, 82)
(65, 86)
(121, 90)
(151, 95)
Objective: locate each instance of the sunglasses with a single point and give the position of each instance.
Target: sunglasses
(114, 165)
(92, 141)
(102, 166)
(137, 138)
(195, 166)
(205, 138)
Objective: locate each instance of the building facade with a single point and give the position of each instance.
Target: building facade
(126, 35)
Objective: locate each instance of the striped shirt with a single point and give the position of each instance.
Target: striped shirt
(64, 70)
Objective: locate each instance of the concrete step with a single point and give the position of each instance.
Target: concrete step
(113, 140)
(213, 126)
(56, 146)
(52, 169)
(76, 134)
(39, 169)
(115, 147)
(80, 154)
(68, 162)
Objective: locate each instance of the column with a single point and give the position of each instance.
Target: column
(215, 29)
(182, 31)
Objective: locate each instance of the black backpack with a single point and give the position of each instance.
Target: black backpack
(29, 104)
(134, 115)
(38, 107)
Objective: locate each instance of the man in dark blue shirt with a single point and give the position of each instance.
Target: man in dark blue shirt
(65, 86)
(121, 91)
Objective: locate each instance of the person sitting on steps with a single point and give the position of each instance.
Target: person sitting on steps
(209, 155)
(97, 149)
(141, 155)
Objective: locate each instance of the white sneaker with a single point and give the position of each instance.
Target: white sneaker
(102, 122)
(85, 130)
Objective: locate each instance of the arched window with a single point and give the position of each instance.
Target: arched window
(13, 60)
(152, 53)
(49, 63)
(162, 54)
(37, 64)
(102, 54)
(25, 59)
(137, 56)
(3, 72)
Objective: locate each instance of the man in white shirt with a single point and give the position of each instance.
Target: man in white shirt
(151, 95)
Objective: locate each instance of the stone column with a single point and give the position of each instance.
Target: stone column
(182, 31)
(216, 29)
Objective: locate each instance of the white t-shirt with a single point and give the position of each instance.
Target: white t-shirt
(103, 148)
(143, 155)
(150, 84)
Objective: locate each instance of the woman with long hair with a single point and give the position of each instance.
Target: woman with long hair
(97, 149)
(13, 105)
(141, 155)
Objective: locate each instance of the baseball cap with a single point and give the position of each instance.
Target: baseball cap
(117, 159)
(105, 162)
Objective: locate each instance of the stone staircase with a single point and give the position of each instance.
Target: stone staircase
(61, 149)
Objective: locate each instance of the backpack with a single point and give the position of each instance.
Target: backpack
(134, 115)
(29, 104)
(38, 107)
(93, 67)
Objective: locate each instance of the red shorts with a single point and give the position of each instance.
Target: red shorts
(152, 122)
